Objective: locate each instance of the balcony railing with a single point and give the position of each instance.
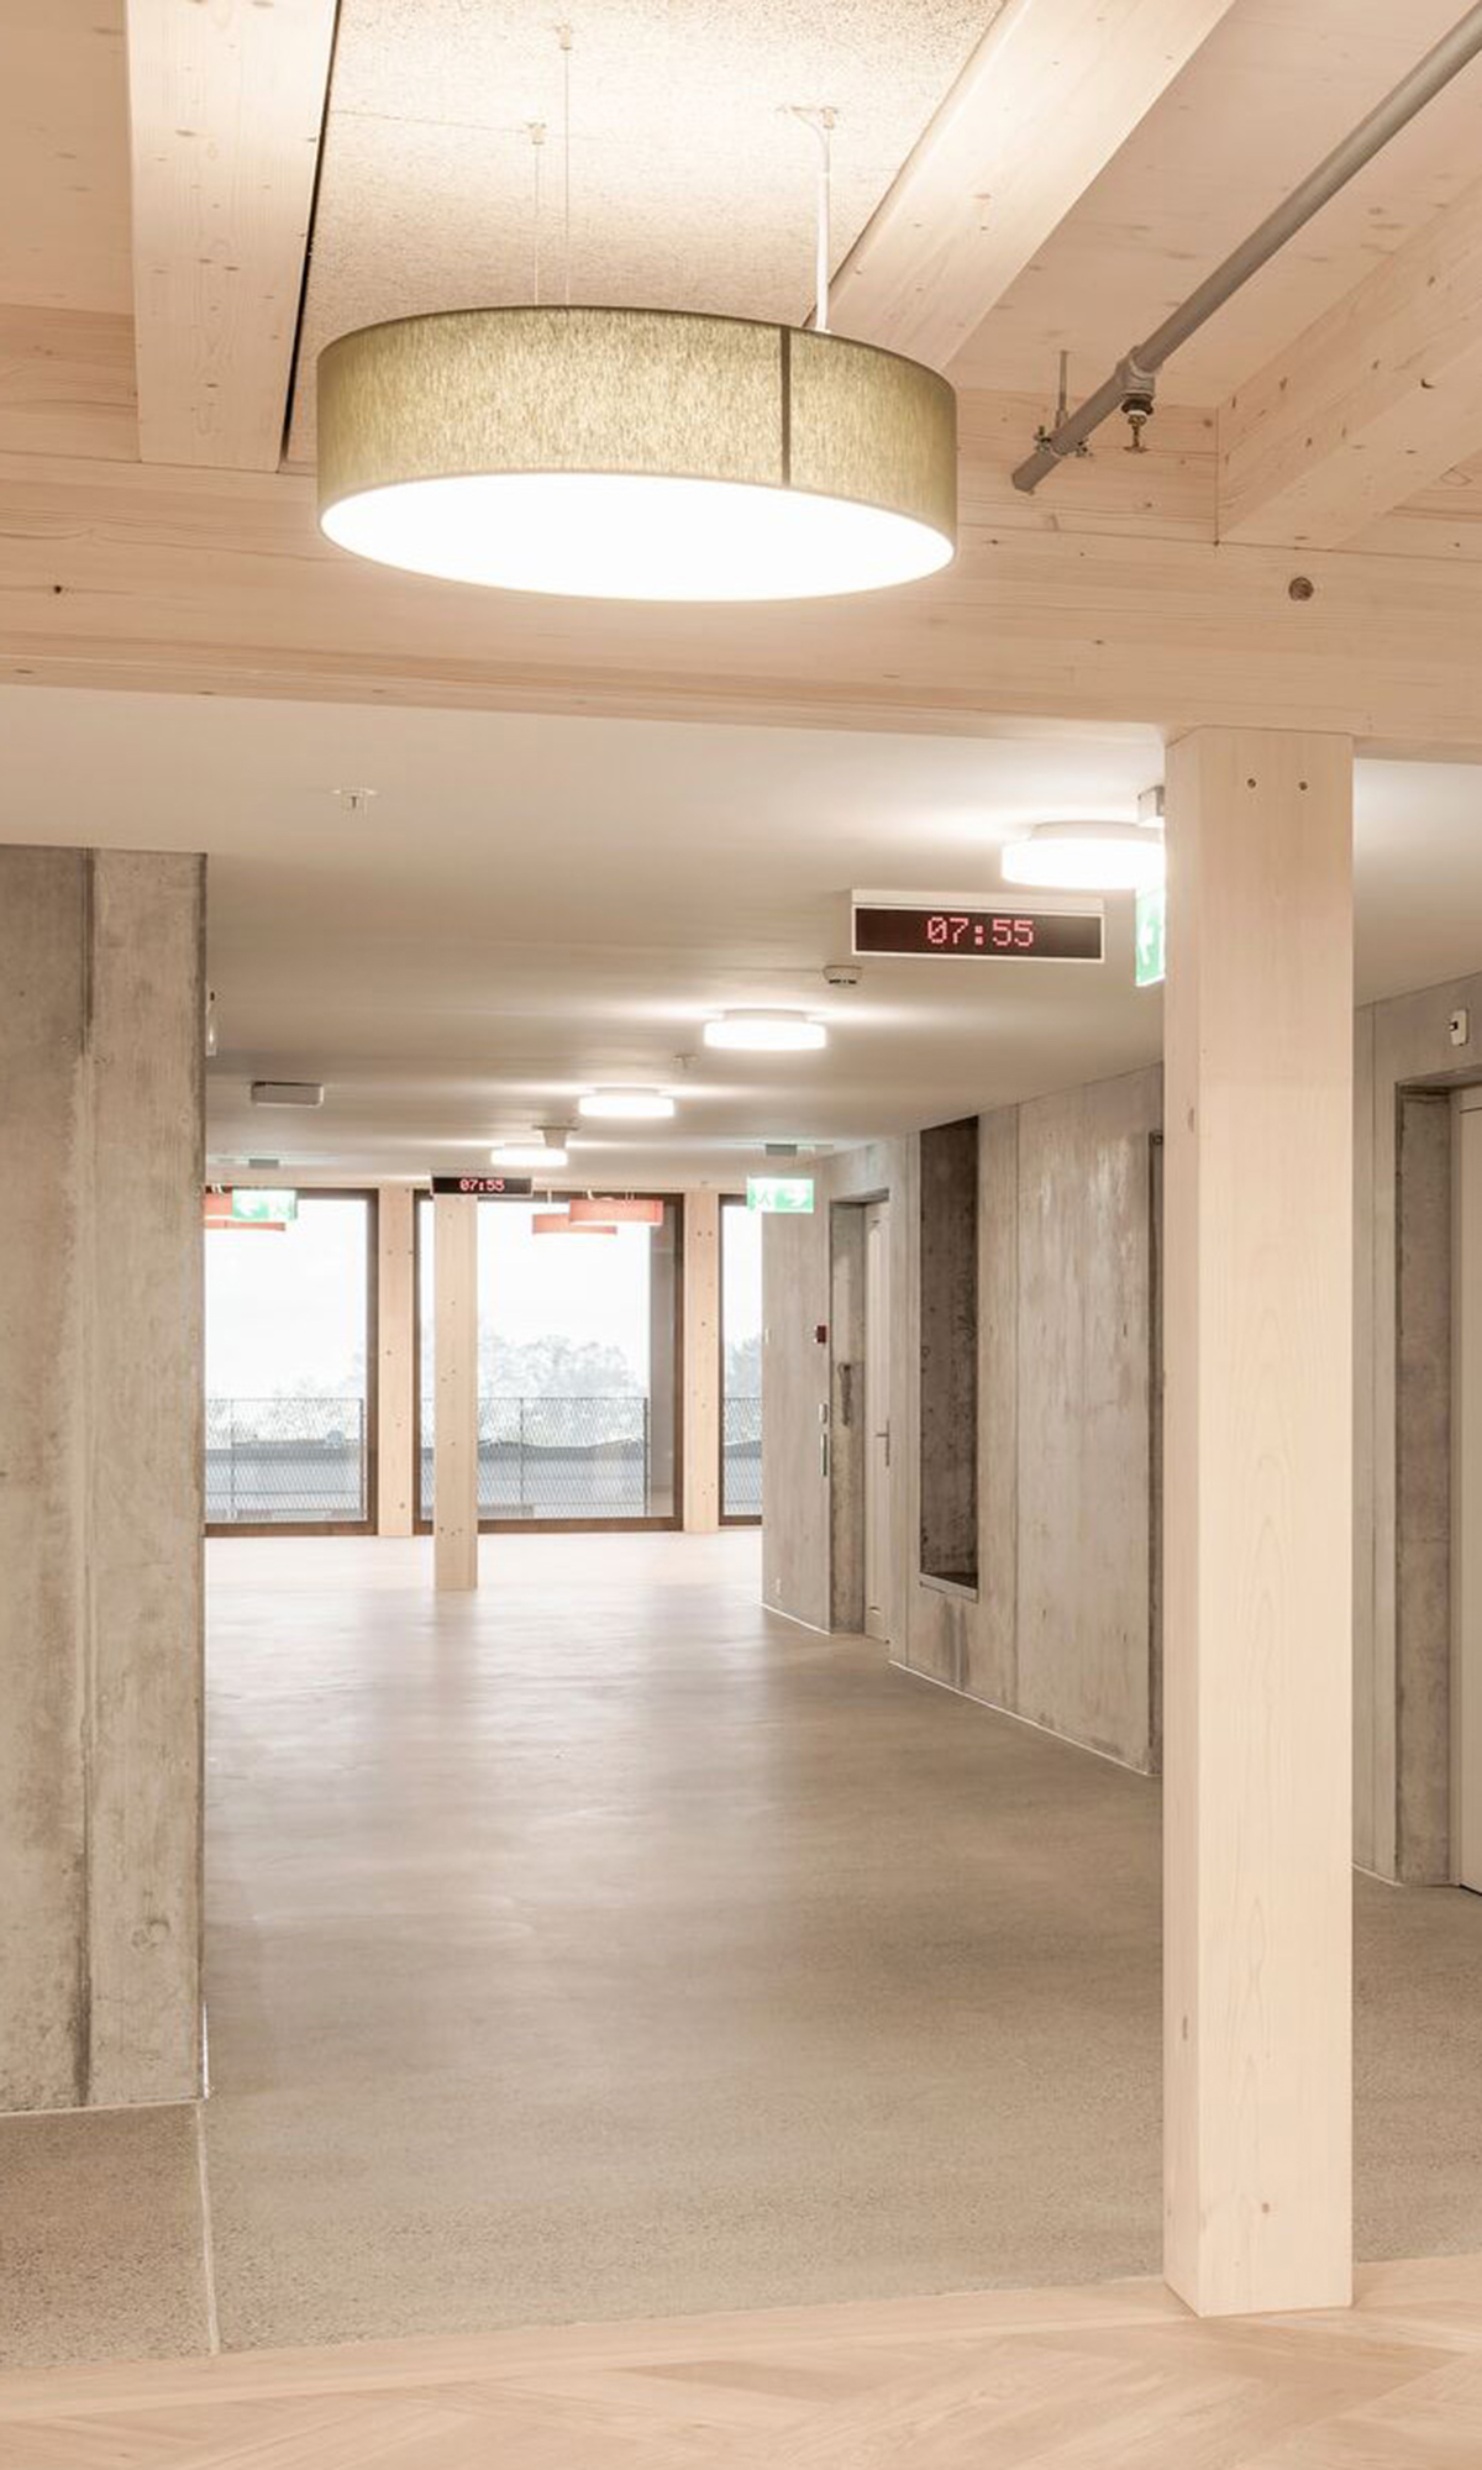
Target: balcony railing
(741, 1458)
(302, 1461)
(575, 1458)
(285, 1462)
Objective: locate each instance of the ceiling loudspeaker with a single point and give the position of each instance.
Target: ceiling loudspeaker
(288, 1093)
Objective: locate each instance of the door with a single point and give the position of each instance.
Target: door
(1466, 1504)
(878, 1477)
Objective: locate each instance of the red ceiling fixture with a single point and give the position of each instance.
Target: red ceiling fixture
(556, 1222)
(629, 1212)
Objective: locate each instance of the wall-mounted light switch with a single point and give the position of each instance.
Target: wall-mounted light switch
(1461, 1028)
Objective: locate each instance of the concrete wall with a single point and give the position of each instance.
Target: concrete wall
(101, 994)
(1060, 1627)
(1063, 1625)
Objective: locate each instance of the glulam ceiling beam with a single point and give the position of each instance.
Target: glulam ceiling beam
(1368, 407)
(1053, 90)
(226, 106)
(129, 575)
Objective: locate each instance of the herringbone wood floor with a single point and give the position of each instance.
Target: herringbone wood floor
(1115, 2377)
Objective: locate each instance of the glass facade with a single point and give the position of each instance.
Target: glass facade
(578, 1363)
(289, 1439)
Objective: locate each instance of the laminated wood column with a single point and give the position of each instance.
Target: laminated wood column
(1258, 1510)
(455, 1452)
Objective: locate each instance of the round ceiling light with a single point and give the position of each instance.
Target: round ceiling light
(531, 1154)
(1086, 857)
(767, 1033)
(626, 1106)
(635, 454)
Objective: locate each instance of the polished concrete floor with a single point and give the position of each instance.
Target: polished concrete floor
(600, 1945)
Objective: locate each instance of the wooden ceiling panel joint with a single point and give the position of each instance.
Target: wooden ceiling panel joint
(226, 110)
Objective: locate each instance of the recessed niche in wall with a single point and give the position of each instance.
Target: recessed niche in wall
(949, 1354)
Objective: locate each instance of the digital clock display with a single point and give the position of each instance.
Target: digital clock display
(486, 1187)
(960, 931)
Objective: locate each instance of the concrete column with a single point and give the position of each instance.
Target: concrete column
(702, 1378)
(455, 1447)
(396, 1353)
(101, 1508)
(1258, 1510)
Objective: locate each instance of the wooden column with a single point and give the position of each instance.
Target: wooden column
(455, 1453)
(702, 1376)
(396, 1356)
(1258, 1511)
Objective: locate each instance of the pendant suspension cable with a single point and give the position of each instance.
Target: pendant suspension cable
(535, 130)
(563, 37)
(823, 124)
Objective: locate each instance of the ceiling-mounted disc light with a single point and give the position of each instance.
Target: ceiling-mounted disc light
(767, 1033)
(532, 1155)
(1086, 857)
(635, 454)
(626, 1106)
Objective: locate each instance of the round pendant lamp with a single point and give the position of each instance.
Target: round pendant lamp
(635, 454)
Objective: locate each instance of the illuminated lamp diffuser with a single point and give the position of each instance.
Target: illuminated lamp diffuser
(629, 1212)
(556, 1222)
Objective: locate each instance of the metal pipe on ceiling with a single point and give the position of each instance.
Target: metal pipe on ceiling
(1130, 386)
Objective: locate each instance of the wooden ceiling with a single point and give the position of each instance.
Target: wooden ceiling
(158, 171)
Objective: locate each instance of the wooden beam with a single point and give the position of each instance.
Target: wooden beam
(212, 582)
(1258, 1892)
(1377, 399)
(1053, 90)
(226, 107)
(67, 383)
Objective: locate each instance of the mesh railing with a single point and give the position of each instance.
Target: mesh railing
(556, 1458)
(285, 1461)
(741, 1458)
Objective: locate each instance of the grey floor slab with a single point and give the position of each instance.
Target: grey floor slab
(101, 2248)
(600, 1944)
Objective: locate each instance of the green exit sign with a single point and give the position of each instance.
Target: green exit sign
(782, 1195)
(256, 1205)
(1152, 918)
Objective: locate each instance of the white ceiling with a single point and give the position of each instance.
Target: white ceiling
(533, 904)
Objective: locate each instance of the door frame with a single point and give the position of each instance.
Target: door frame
(846, 1400)
(876, 1349)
